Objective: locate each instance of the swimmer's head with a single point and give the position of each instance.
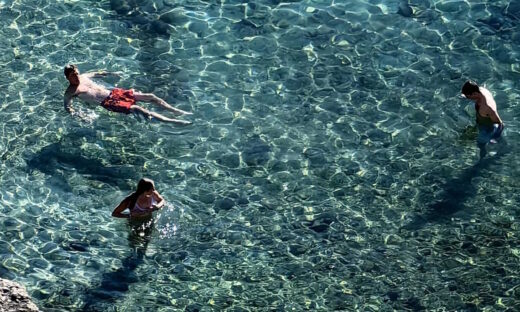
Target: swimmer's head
(469, 88)
(72, 74)
(145, 186)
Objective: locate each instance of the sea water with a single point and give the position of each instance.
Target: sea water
(331, 164)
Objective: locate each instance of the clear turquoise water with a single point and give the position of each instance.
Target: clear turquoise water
(331, 164)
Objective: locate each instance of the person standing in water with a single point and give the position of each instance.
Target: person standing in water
(489, 123)
(140, 203)
(115, 100)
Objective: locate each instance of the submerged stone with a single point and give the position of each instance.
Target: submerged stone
(160, 28)
(392, 295)
(256, 152)
(174, 18)
(224, 204)
(405, 9)
(78, 247)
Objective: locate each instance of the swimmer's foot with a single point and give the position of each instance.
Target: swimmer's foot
(493, 141)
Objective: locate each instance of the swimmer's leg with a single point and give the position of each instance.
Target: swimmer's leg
(146, 113)
(150, 97)
(483, 152)
(483, 138)
(497, 134)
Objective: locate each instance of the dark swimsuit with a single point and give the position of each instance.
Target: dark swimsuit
(483, 120)
(487, 129)
(119, 101)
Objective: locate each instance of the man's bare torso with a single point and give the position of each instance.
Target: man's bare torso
(89, 91)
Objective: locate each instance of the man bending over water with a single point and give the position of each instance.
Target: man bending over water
(117, 100)
(489, 124)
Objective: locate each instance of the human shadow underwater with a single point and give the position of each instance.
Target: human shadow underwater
(457, 190)
(113, 285)
(61, 159)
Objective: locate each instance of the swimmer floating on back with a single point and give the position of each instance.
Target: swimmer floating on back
(117, 100)
(489, 124)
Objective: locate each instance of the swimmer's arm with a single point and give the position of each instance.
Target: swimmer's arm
(118, 212)
(67, 102)
(68, 107)
(494, 116)
(159, 199)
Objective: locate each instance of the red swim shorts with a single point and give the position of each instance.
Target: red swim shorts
(119, 101)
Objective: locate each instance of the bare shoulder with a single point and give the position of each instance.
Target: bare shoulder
(125, 202)
(490, 101)
(485, 91)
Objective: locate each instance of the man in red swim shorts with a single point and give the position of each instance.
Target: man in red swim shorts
(117, 100)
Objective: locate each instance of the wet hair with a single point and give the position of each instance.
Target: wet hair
(144, 185)
(469, 87)
(69, 69)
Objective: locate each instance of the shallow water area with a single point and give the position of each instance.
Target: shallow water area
(331, 164)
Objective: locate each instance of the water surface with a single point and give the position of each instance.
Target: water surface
(331, 164)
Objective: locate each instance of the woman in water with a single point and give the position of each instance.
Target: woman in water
(141, 203)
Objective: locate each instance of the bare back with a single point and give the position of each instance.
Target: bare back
(487, 107)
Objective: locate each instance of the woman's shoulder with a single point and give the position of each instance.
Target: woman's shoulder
(129, 199)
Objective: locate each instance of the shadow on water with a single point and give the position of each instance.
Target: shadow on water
(114, 285)
(60, 160)
(456, 191)
(146, 16)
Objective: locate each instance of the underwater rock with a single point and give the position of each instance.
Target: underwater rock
(121, 7)
(494, 22)
(246, 28)
(14, 298)
(174, 18)
(77, 246)
(321, 223)
(392, 295)
(160, 28)
(414, 304)
(513, 10)
(256, 152)
(224, 204)
(405, 9)
(229, 160)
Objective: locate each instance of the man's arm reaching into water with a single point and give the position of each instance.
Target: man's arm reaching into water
(494, 117)
(67, 101)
